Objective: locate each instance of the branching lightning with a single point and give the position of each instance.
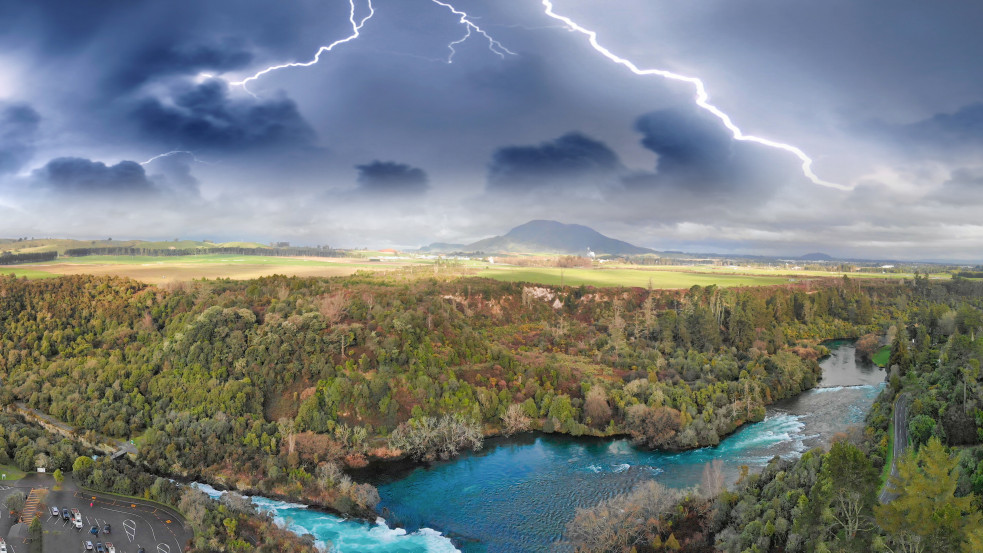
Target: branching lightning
(702, 98)
(356, 30)
(495, 46)
(171, 153)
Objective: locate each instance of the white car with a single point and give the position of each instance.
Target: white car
(110, 548)
(78, 524)
(3, 546)
(54, 511)
(88, 546)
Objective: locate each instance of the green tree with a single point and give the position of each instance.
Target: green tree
(927, 516)
(35, 534)
(842, 500)
(59, 477)
(15, 502)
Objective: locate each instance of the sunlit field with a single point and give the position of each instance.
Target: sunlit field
(159, 270)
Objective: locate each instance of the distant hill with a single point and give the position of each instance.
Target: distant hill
(444, 247)
(818, 256)
(542, 236)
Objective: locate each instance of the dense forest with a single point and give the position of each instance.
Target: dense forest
(828, 501)
(279, 385)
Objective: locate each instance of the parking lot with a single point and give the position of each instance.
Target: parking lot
(133, 524)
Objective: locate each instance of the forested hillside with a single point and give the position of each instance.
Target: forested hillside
(278, 384)
(828, 501)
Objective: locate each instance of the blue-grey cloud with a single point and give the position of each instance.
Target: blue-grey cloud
(570, 159)
(689, 144)
(166, 58)
(206, 117)
(19, 125)
(80, 177)
(388, 177)
(959, 130)
(697, 156)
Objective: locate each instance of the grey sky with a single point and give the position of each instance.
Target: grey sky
(385, 143)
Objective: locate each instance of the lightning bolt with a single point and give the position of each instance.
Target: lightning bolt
(356, 30)
(495, 46)
(171, 153)
(702, 98)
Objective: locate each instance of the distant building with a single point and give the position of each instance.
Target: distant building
(389, 251)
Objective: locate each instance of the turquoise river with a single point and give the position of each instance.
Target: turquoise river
(517, 495)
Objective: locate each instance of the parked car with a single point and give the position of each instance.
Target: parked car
(110, 548)
(3, 546)
(54, 511)
(106, 528)
(88, 546)
(94, 531)
(100, 548)
(65, 514)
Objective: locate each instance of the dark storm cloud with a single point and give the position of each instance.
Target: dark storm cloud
(389, 177)
(205, 117)
(570, 159)
(690, 145)
(18, 130)
(79, 177)
(697, 155)
(165, 59)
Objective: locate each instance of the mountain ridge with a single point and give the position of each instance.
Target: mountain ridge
(547, 236)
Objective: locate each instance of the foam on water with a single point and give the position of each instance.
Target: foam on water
(339, 535)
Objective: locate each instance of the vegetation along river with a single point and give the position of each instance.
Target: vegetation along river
(517, 495)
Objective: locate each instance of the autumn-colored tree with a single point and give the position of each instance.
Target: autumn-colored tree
(653, 427)
(596, 407)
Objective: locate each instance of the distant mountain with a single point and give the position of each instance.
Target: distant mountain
(541, 236)
(444, 247)
(818, 256)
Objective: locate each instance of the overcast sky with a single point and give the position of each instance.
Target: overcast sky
(408, 134)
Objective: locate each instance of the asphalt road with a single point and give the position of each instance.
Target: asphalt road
(900, 442)
(133, 523)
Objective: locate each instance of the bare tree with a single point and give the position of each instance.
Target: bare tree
(514, 420)
(712, 482)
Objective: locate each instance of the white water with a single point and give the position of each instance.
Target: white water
(339, 535)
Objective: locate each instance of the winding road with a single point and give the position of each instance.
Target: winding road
(900, 442)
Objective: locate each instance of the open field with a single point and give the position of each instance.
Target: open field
(625, 277)
(159, 270)
(19, 271)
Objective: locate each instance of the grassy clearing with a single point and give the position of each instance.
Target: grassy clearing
(12, 472)
(29, 273)
(882, 356)
(626, 277)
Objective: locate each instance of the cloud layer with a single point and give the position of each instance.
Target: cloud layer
(473, 147)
